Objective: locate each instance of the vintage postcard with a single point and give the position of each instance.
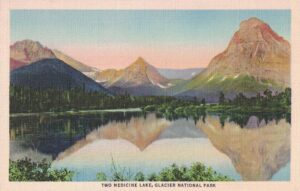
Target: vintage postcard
(139, 95)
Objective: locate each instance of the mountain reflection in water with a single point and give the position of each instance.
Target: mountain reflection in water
(256, 153)
(138, 130)
(251, 147)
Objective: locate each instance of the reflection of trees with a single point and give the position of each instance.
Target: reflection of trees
(242, 119)
(196, 116)
(51, 135)
(255, 153)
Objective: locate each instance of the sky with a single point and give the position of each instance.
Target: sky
(115, 38)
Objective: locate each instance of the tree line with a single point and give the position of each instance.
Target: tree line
(24, 99)
(266, 98)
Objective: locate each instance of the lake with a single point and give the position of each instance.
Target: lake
(244, 147)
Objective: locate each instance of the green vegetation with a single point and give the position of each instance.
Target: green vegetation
(29, 100)
(196, 172)
(27, 170)
(178, 108)
(240, 83)
(262, 102)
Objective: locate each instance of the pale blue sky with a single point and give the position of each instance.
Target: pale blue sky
(56, 27)
(115, 38)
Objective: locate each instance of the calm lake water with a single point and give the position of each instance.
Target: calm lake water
(243, 147)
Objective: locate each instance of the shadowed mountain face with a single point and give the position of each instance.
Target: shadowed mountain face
(255, 59)
(255, 157)
(25, 52)
(52, 73)
(140, 78)
(14, 64)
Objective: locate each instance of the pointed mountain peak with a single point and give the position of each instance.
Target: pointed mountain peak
(252, 22)
(140, 61)
(255, 30)
(139, 64)
(255, 50)
(28, 51)
(139, 73)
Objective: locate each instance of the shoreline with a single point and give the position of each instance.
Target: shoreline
(75, 112)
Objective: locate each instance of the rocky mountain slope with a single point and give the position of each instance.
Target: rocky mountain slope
(28, 51)
(140, 78)
(255, 59)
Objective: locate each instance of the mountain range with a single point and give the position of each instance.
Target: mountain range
(255, 59)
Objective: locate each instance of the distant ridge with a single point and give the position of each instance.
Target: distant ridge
(25, 52)
(184, 74)
(72, 62)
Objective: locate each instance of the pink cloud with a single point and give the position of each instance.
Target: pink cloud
(121, 55)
